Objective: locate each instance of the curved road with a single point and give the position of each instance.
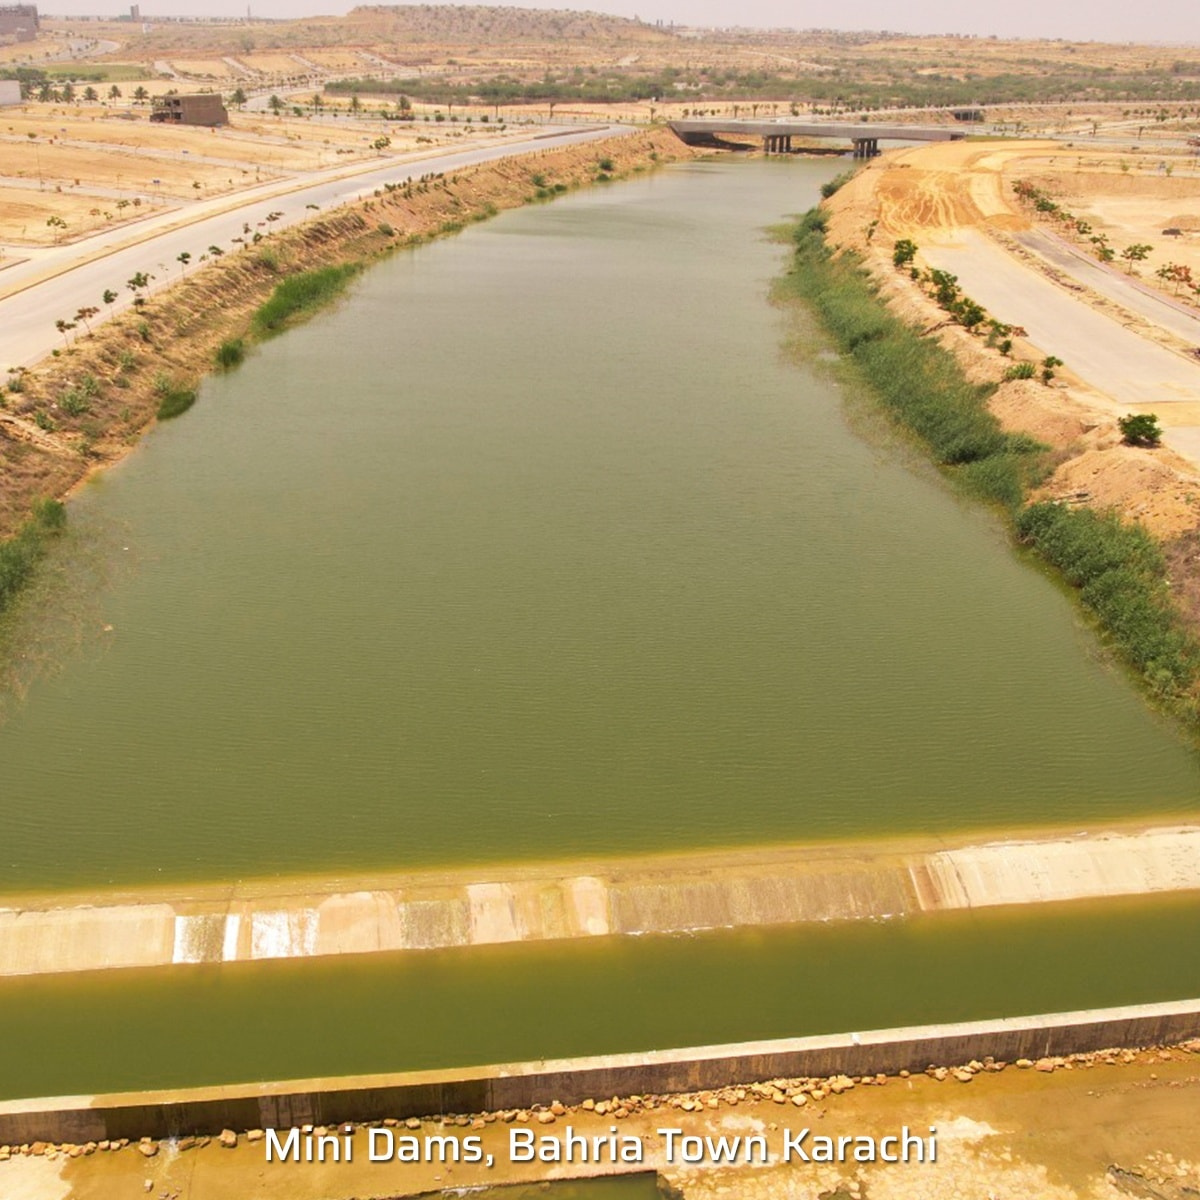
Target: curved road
(53, 284)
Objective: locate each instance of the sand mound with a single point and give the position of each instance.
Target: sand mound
(1144, 486)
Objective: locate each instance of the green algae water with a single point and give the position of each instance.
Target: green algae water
(190, 1026)
(538, 545)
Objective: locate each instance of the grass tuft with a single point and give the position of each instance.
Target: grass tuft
(300, 294)
(20, 554)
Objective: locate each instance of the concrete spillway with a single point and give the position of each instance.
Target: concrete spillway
(677, 894)
(777, 136)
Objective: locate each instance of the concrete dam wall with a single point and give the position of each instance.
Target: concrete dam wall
(677, 894)
(520, 1085)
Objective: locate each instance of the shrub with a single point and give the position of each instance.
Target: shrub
(904, 251)
(1021, 370)
(607, 165)
(230, 352)
(20, 554)
(175, 402)
(830, 186)
(73, 402)
(1140, 429)
(301, 293)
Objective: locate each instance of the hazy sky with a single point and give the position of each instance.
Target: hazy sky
(1100, 20)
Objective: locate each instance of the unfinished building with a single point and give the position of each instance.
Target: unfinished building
(18, 23)
(200, 109)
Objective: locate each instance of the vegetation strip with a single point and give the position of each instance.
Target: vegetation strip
(295, 296)
(1115, 567)
(20, 555)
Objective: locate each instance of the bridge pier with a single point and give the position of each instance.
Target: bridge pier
(777, 143)
(866, 147)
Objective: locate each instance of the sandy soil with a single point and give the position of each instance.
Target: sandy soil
(955, 200)
(1088, 1131)
(78, 163)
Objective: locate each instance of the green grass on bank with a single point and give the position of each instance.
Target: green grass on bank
(919, 381)
(1115, 567)
(300, 294)
(19, 555)
(1121, 577)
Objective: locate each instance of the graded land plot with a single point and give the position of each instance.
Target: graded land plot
(338, 60)
(204, 68)
(128, 171)
(271, 64)
(32, 52)
(24, 213)
(1131, 200)
(87, 167)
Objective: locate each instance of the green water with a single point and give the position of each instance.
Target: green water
(538, 546)
(374, 1013)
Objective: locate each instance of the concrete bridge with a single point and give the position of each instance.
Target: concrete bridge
(777, 135)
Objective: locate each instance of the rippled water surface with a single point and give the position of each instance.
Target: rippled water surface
(538, 545)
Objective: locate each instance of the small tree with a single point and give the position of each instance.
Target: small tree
(183, 260)
(904, 251)
(64, 327)
(140, 95)
(238, 98)
(1140, 429)
(110, 296)
(86, 314)
(1048, 365)
(1137, 252)
(275, 105)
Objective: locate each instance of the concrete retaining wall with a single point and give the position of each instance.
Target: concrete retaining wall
(519, 1085)
(667, 894)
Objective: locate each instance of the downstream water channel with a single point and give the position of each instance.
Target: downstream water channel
(541, 545)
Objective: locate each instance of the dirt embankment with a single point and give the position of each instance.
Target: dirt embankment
(88, 406)
(943, 193)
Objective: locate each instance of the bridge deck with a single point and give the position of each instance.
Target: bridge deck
(852, 130)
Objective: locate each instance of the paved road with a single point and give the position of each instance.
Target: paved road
(1134, 372)
(27, 331)
(1113, 284)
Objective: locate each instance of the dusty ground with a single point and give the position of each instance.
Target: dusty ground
(96, 167)
(956, 202)
(1119, 1126)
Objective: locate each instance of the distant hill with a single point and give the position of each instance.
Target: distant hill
(490, 26)
(381, 26)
